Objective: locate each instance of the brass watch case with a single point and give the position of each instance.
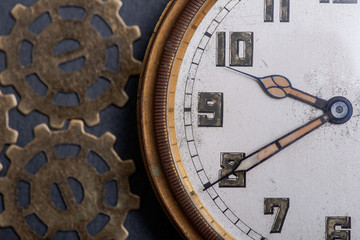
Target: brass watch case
(162, 62)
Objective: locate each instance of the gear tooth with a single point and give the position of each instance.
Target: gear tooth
(129, 165)
(13, 152)
(108, 139)
(123, 233)
(76, 126)
(134, 33)
(120, 98)
(41, 131)
(2, 43)
(56, 122)
(4, 219)
(92, 119)
(114, 4)
(12, 136)
(11, 101)
(137, 67)
(18, 10)
(25, 107)
(5, 78)
(118, 231)
(134, 201)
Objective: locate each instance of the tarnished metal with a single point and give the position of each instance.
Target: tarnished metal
(332, 228)
(220, 45)
(269, 11)
(7, 134)
(248, 49)
(269, 209)
(228, 161)
(46, 66)
(210, 108)
(285, 11)
(57, 170)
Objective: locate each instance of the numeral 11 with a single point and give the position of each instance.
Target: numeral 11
(284, 11)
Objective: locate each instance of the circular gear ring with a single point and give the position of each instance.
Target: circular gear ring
(46, 66)
(58, 170)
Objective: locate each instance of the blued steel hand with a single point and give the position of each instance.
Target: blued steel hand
(277, 86)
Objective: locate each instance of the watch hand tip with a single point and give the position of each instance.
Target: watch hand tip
(207, 185)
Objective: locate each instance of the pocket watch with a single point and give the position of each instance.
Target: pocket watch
(249, 119)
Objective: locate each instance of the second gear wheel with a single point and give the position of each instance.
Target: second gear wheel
(46, 66)
(57, 170)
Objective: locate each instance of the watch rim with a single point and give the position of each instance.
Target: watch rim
(152, 112)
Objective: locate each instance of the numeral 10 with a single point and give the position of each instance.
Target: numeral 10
(241, 49)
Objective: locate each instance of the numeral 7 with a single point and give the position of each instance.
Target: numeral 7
(282, 205)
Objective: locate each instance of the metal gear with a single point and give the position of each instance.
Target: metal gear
(45, 65)
(58, 170)
(7, 134)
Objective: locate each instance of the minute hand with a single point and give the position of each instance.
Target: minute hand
(279, 144)
(274, 147)
(277, 86)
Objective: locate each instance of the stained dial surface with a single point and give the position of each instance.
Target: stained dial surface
(315, 45)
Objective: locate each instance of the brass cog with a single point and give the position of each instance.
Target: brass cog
(7, 134)
(92, 46)
(58, 170)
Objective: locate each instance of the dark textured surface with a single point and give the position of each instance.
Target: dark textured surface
(149, 222)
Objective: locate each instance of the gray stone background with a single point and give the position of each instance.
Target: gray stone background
(149, 222)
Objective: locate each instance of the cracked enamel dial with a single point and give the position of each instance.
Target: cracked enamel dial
(256, 116)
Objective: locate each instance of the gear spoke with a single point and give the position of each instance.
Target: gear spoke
(27, 210)
(27, 70)
(88, 16)
(26, 176)
(110, 41)
(67, 194)
(108, 74)
(83, 95)
(82, 231)
(71, 55)
(50, 154)
(31, 37)
(50, 94)
(50, 234)
(54, 13)
(106, 177)
(83, 153)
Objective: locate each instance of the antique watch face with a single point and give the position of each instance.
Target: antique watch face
(254, 126)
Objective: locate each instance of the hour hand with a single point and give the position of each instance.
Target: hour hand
(279, 87)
